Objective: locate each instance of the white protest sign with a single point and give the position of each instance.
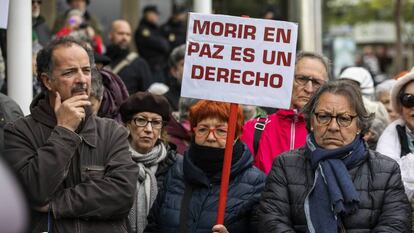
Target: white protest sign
(4, 13)
(239, 60)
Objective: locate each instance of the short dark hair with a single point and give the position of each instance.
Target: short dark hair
(324, 60)
(348, 90)
(44, 60)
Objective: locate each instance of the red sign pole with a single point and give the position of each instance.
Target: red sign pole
(228, 153)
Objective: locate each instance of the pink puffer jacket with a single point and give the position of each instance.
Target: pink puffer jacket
(285, 130)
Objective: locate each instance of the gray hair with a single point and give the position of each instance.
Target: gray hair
(348, 90)
(377, 127)
(184, 105)
(176, 55)
(97, 87)
(385, 86)
(324, 60)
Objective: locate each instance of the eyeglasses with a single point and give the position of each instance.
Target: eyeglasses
(142, 122)
(343, 120)
(407, 100)
(303, 80)
(204, 131)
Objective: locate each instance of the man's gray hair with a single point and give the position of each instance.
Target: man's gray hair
(324, 60)
(176, 55)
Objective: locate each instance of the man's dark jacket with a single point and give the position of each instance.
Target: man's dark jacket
(88, 178)
(383, 204)
(136, 75)
(41, 29)
(152, 45)
(245, 186)
(175, 32)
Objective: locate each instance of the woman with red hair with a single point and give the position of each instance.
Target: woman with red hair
(189, 199)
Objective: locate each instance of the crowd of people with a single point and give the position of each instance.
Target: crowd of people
(110, 146)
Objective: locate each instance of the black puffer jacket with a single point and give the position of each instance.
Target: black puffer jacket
(384, 206)
(245, 186)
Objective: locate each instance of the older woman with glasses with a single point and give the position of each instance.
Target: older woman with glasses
(144, 115)
(334, 183)
(397, 140)
(189, 201)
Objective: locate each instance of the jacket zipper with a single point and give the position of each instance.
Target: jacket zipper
(292, 130)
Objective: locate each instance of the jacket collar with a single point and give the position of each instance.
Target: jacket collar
(42, 112)
(195, 175)
(289, 113)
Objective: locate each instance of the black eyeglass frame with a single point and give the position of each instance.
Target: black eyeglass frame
(304, 79)
(317, 114)
(407, 100)
(163, 123)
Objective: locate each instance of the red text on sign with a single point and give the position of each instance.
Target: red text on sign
(235, 76)
(239, 53)
(277, 58)
(241, 31)
(277, 35)
(205, 50)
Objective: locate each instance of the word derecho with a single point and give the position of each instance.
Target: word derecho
(246, 54)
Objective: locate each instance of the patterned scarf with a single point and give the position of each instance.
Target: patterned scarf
(146, 185)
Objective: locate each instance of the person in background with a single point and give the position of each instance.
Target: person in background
(151, 44)
(175, 29)
(189, 200)
(175, 76)
(77, 28)
(334, 183)
(285, 130)
(178, 128)
(397, 140)
(39, 25)
(360, 77)
(133, 69)
(97, 90)
(87, 17)
(9, 112)
(37, 86)
(382, 94)
(76, 167)
(374, 132)
(144, 115)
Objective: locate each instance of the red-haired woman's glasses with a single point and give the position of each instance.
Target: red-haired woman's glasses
(204, 131)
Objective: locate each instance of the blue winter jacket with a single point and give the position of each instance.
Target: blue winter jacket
(245, 186)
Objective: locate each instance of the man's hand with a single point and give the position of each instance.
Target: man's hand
(70, 112)
(219, 229)
(43, 209)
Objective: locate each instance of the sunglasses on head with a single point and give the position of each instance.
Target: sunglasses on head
(407, 100)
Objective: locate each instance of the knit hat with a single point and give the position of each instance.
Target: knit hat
(401, 82)
(145, 102)
(362, 76)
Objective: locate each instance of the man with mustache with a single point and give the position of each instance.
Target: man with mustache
(285, 129)
(132, 69)
(76, 167)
